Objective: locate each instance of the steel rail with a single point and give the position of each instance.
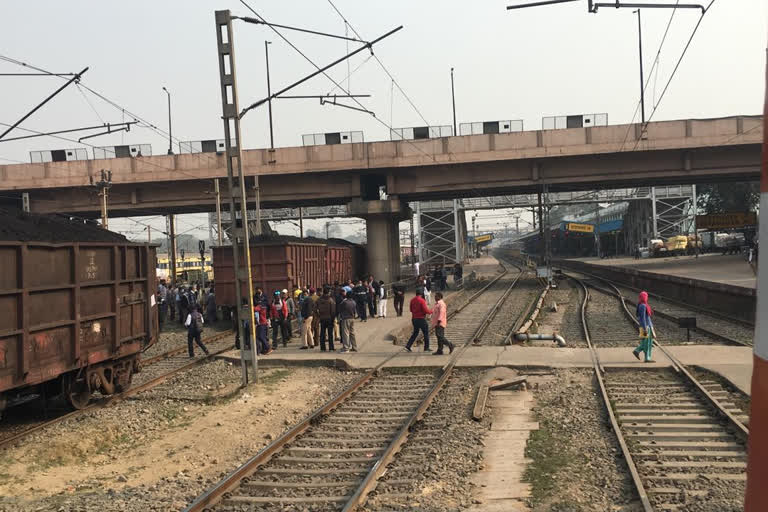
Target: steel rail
(599, 370)
(234, 478)
(740, 427)
(378, 469)
(673, 318)
(489, 318)
(692, 307)
(113, 399)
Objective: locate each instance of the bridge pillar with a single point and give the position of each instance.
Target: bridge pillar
(382, 218)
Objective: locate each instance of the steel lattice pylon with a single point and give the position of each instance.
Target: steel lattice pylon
(442, 233)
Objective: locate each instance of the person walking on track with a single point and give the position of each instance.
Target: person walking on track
(419, 312)
(440, 322)
(347, 313)
(194, 324)
(647, 334)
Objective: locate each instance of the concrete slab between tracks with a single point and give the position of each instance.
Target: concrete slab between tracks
(500, 485)
(732, 363)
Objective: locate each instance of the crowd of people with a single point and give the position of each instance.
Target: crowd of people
(191, 306)
(321, 316)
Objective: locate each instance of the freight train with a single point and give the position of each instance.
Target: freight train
(77, 308)
(282, 262)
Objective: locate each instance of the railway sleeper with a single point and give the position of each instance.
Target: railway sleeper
(257, 485)
(673, 427)
(257, 500)
(688, 454)
(684, 477)
(694, 445)
(677, 436)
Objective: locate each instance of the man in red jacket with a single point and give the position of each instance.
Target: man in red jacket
(419, 312)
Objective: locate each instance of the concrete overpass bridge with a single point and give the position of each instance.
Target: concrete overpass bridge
(666, 152)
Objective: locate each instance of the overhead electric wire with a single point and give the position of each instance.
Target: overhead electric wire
(648, 80)
(677, 66)
(287, 41)
(382, 65)
(136, 117)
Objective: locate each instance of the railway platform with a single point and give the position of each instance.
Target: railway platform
(713, 267)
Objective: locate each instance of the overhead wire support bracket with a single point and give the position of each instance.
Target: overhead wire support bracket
(110, 129)
(57, 132)
(318, 72)
(324, 101)
(75, 78)
(321, 96)
(256, 21)
(593, 6)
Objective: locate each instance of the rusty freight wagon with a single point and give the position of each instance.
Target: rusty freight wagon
(74, 315)
(281, 264)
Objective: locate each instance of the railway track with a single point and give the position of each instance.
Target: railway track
(711, 327)
(683, 439)
(610, 330)
(155, 371)
(334, 458)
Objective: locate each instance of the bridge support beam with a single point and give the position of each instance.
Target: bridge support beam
(382, 218)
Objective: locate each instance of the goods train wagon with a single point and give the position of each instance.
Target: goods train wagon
(74, 317)
(278, 265)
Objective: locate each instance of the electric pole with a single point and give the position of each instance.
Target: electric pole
(301, 222)
(642, 80)
(225, 45)
(269, 103)
(104, 184)
(453, 98)
(172, 247)
(170, 126)
(218, 211)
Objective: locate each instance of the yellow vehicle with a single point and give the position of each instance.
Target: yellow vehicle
(188, 269)
(676, 244)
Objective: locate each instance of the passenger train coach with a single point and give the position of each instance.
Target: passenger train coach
(577, 239)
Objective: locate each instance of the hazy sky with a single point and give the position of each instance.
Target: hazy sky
(521, 64)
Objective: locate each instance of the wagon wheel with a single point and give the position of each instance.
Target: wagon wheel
(76, 391)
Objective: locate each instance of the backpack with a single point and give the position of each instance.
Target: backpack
(197, 321)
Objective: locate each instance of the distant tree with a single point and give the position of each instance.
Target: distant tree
(728, 197)
(313, 233)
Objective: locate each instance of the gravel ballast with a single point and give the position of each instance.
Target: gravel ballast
(577, 463)
(162, 448)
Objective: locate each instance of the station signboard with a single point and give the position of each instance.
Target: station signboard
(580, 228)
(726, 220)
(483, 238)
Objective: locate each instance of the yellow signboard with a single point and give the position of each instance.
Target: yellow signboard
(580, 228)
(726, 220)
(483, 238)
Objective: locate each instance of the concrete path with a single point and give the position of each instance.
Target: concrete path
(732, 269)
(500, 485)
(733, 363)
